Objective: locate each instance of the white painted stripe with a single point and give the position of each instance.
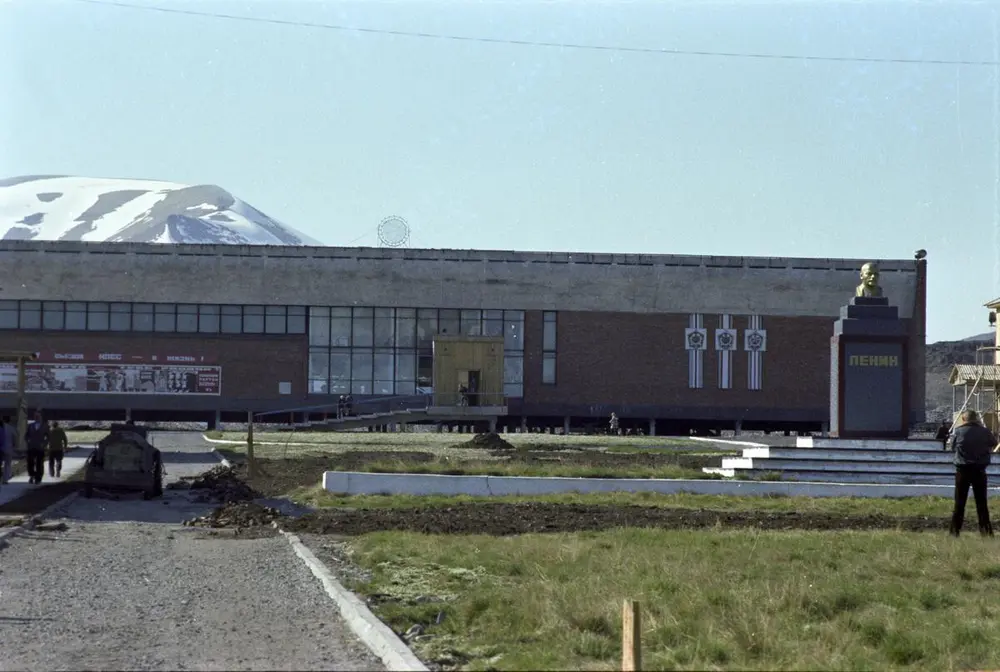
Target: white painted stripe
(725, 357)
(696, 358)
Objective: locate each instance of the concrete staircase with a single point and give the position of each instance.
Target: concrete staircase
(813, 459)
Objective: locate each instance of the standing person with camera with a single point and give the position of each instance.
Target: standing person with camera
(972, 444)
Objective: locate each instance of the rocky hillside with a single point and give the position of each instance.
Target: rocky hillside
(941, 357)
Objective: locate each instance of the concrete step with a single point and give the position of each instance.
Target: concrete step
(851, 454)
(853, 477)
(867, 444)
(865, 467)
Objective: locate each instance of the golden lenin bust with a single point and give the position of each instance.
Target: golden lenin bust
(869, 281)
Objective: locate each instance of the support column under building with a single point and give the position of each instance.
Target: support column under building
(566, 425)
(652, 426)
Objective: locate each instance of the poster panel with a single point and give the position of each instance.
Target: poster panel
(84, 378)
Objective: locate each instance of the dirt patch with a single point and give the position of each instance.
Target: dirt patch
(490, 440)
(221, 484)
(508, 519)
(239, 515)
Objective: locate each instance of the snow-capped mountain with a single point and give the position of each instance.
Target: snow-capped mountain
(50, 207)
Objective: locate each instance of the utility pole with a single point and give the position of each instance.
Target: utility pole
(251, 463)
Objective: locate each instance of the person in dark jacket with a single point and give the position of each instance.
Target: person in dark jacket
(973, 445)
(57, 449)
(37, 439)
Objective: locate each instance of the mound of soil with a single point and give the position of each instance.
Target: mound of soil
(222, 484)
(490, 441)
(238, 515)
(509, 519)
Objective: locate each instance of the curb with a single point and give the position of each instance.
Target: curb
(368, 628)
(230, 442)
(34, 520)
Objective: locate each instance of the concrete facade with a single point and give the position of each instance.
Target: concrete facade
(620, 325)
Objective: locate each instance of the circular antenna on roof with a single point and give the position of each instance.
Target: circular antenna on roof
(393, 231)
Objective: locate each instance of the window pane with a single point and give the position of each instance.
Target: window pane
(512, 332)
(493, 327)
(208, 319)
(362, 333)
(406, 366)
(515, 390)
(319, 326)
(54, 316)
(274, 322)
(187, 318)
(165, 315)
(142, 317)
(448, 322)
(549, 335)
(383, 369)
(513, 369)
(253, 319)
(296, 319)
(121, 317)
(427, 327)
(408, 387)
(340, 371)
(232, 319)
(406, 332)
(31, 315)
(319, 368)
(549, 368)
(493, 315)
(361, 365)
(362, 387)
(97, 317)
(385, 328)
(425, 371)
(472, 323)
(340, 332)
(382, 387)
(8, 314)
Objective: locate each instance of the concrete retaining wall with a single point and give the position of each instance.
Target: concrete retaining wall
(360, 483)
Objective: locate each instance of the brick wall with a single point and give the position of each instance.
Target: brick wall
(252, 366)
(635, 359)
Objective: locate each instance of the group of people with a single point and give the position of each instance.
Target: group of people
(39, 439)
(345, 406)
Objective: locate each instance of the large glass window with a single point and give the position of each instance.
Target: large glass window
(340, 327)
(31, 315)
(8, 315)
(76, 315)
(472, 322)
(98, 316)
(406, 328)
(449, 322)
(513, 375)
(427, 327)
(208, 319)
(340, 372)
(187, 318)
(362, 333)
(296, 319)
(121, 317)
(549, 348)
(53, 315)
(319, 327)
(385, 328)
(406, 366)
(142, 317)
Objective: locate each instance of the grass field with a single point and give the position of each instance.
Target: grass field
(710, 600)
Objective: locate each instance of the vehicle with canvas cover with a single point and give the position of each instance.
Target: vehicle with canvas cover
(125, 461)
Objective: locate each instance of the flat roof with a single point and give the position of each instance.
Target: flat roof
(426, 254)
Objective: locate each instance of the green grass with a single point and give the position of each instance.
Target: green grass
(908, 506)
(709, 600)
(427, 440)
(497, 468)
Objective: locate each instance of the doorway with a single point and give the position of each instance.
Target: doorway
(469, 381)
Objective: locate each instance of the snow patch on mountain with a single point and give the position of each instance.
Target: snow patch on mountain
(54, 207)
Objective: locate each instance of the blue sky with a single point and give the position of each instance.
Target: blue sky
(518, 147)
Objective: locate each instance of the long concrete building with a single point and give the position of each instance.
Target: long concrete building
(192, 332)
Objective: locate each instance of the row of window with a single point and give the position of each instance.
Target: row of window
(410, 328)
(549, 348)
(152, 317)
(387, 372)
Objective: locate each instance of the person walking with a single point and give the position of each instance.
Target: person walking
(37, 438)
(973, 444)
(57, 449)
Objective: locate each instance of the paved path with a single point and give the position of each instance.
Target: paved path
(126, 586)
(73, 462)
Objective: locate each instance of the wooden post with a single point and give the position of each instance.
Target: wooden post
(251, 463)
(631, 636)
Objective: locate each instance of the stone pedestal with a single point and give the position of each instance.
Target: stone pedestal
(869, 372)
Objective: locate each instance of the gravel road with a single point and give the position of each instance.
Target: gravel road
(126, 586)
